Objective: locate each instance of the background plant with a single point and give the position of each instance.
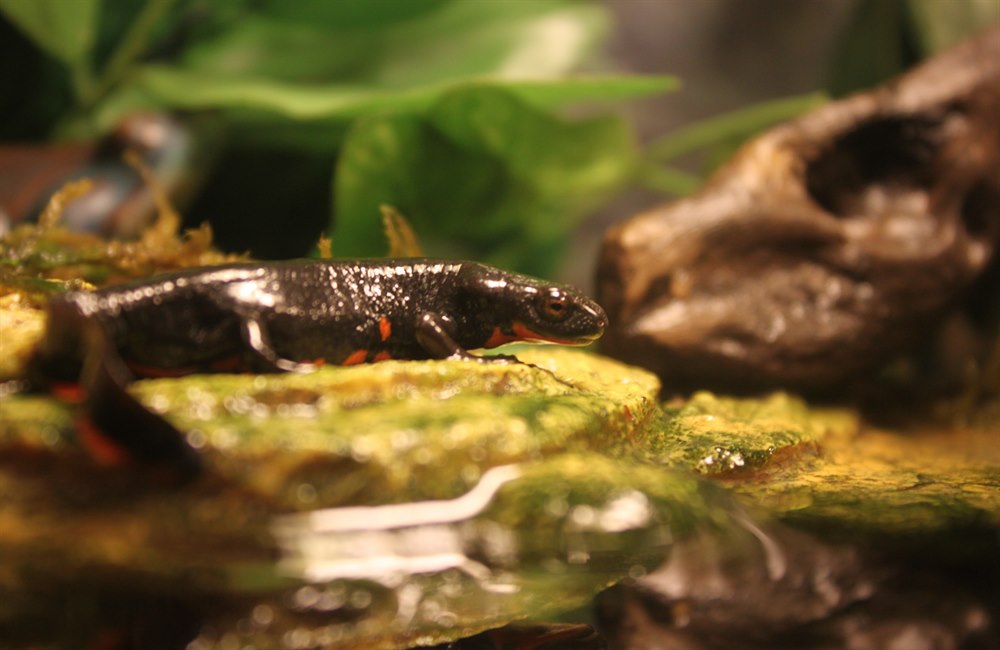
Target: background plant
(454, 111)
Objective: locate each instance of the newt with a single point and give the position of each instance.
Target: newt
(291, 316)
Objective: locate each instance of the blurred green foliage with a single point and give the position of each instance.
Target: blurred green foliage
(514, 176)
(885, 37)
(882, 39)
(715, 139)
(454, 111)
(450, 110)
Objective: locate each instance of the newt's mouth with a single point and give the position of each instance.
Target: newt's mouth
(523, 332)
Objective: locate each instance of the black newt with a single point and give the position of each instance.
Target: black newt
(282, 317)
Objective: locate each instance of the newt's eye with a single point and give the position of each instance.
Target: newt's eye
(554, 306)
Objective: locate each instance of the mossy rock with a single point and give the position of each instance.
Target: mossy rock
(285, 446)
(381, 433)
(721, 436)
(825, 469)
(605, 480)
(917, 489)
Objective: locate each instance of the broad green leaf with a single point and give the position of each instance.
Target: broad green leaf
(272, 76)
(269, 104)
(180, 89)
(352, 14)
(539, 151)
(64, 29)
(481, 174)
(261, 48)
(570, 90)
(399, 160)
(541, 39)
(510, 39)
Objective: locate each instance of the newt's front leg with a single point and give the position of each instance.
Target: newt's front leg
(258, 342)
(434, 333)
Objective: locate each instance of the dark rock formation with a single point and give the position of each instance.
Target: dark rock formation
(827, 245)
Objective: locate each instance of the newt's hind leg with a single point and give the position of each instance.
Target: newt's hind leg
(116, 425)
(77, 362)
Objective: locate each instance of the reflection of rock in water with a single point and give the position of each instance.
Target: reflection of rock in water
(827, 245)
(721, 593)
(895, 542)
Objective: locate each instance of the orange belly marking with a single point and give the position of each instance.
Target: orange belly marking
(354, 358)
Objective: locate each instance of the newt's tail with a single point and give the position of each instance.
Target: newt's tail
(119, 419)
(113, 425)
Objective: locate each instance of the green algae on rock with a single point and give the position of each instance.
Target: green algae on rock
(570, 520)
(824, 469)
(716, 435)
(918, 488)
(38, 261)
(393, 434)
(395, 431)
(21, 327)
(407, 430)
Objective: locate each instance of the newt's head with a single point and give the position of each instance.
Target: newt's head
(512, 307)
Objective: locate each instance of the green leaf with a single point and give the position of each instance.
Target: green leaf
(265, 104)
(668, 180)
(261, 48)
(507, 38)
(180, 89)
(592, 89)
(877, 44)
(942, 24)
(481, 174)
(398, 160)
(268, 71)
(66, 30)
(885, 37)
(539, 39)
(352, 14)
(739, 124)
(715, 139)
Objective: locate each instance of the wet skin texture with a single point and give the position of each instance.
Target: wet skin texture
(285, 316)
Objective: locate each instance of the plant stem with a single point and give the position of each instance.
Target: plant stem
(739, 123)
(127, 50)
(670, 180)
(82, 79)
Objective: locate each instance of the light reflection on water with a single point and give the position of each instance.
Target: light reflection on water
(429, 565)
(387, 543)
